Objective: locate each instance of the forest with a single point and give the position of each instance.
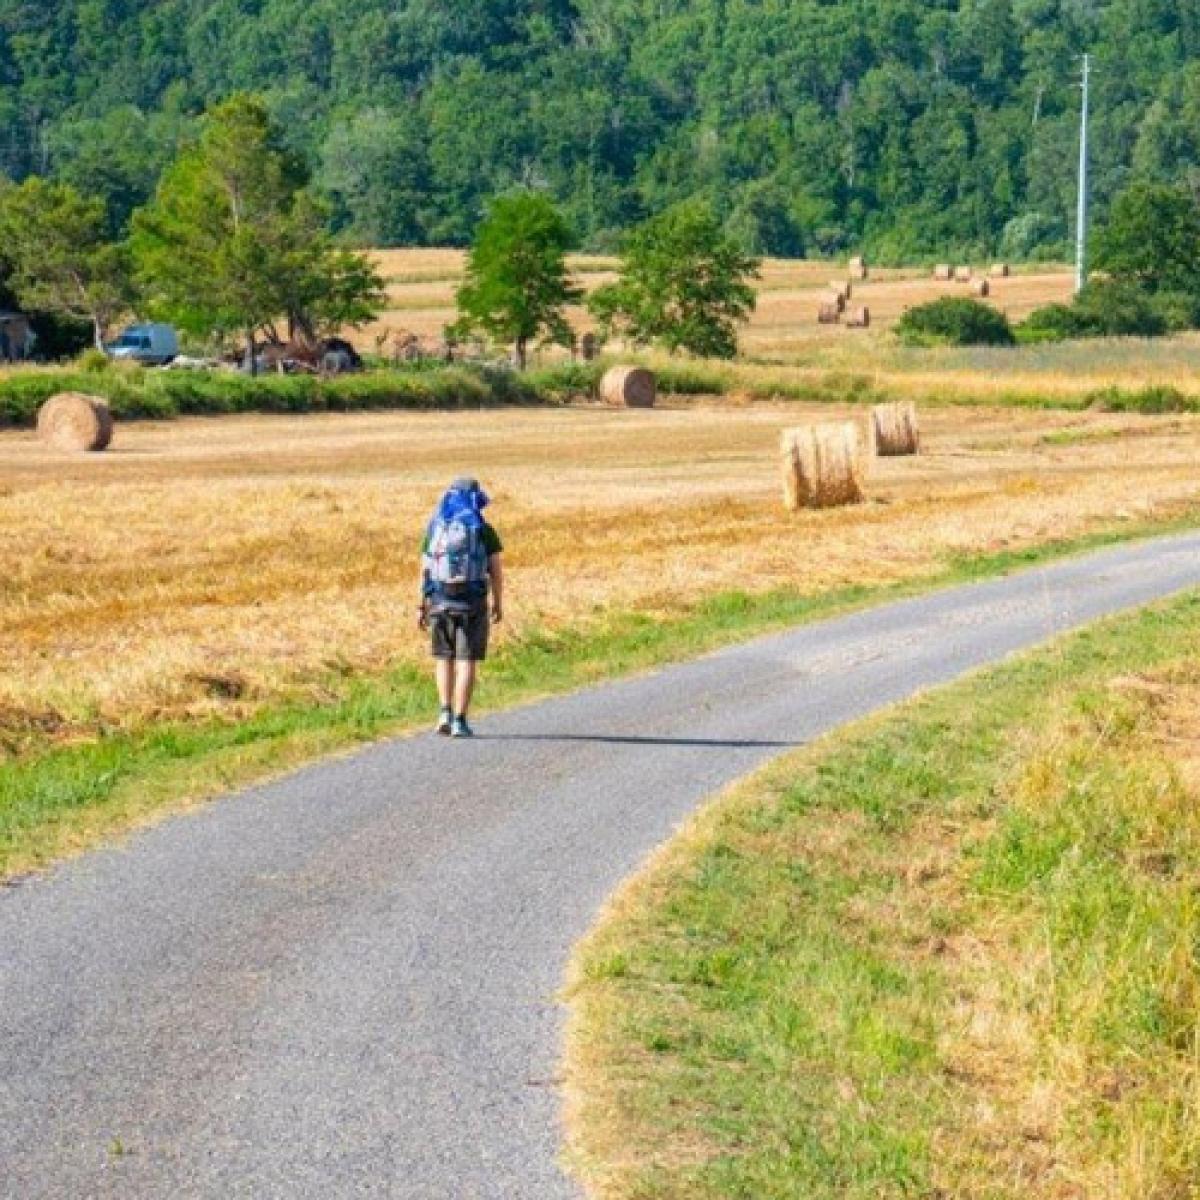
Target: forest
(902, 128)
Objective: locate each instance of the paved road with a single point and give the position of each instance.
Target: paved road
(342, 984)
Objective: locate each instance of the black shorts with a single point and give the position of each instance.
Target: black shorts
(461, 635)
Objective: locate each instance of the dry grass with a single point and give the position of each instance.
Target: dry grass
(206, 565)
(785, 332)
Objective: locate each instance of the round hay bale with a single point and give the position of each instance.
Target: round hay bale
(963, 274)
(1001, 270)
(982, 289)
(860, 317)
(73, 421)
(838, 287)
(858, 269)
(895, 429)
(629, 387)
(943, 272)
(823, 465)
(830, 312)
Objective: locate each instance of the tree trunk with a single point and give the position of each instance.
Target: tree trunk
(252, 350)
(522, 353)
(98, 334)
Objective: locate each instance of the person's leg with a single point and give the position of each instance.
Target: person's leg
(445, 681)
(465, 671)
(443, 659)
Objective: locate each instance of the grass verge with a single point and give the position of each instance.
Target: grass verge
(952, 951)
(58, 802)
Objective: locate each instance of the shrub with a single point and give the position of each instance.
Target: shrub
(954, 321)
(1112, 308)
(1150, 400)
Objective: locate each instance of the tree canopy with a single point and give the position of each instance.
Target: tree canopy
(516, 287)
(897, 127)
(684, 284)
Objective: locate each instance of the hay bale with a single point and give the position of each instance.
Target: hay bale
(895, 429)
(73, 421)
(943, 272)
(830, 312)
(1001, 270)
(963, 274)
(629, 387)
(858, 269)
(841, 288)
(982, 288)
(822, 465)
(859, 318)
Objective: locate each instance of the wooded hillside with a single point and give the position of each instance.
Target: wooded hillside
(906, 127)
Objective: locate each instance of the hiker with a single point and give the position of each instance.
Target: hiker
(460, 572)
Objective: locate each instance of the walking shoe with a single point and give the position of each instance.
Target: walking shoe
(460, 728)
(445, 722)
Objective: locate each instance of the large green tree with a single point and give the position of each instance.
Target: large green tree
(517, 286)
(234, 243)
(1152, 238)
(59, 254)
(684, 284)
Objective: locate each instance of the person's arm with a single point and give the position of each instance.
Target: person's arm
(422, 585)
(496, 578)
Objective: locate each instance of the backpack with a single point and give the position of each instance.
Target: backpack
(456, 561)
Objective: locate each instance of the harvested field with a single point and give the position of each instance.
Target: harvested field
(204, 566)
(786, 333)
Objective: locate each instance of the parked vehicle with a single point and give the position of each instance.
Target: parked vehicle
(153, 345)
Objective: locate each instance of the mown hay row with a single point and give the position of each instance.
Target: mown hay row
(896, 429)
(823, 465)
(75, 422)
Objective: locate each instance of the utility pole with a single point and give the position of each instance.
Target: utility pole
(1081, 220)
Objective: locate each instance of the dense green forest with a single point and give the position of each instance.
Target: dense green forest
(903, 127)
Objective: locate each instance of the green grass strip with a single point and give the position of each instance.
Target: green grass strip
(951, 951)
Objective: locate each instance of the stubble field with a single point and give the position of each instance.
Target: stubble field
(208, 566)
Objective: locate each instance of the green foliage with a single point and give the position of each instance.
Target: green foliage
(893, 126)
(516, 286)
(684, 285)
(233, 243)
(1152, 400)
(1152, 238)
(62, 262)
(1111, 308)
(954, 321)
(164, 394)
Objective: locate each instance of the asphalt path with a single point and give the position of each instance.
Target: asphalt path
(342, 984)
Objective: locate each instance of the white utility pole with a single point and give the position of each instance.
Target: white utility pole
(1081, 221)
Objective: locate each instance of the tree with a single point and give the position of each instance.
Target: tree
(1153, 239)
(61, 261)
(233, 242)
(516, 285)
(683, 283)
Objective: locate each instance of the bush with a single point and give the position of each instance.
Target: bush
(955, 321)
(1112, 308)
(1150, 400)
(162, 394)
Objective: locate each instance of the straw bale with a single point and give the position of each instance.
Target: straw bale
(896, 429)
(963, 274)
(629, 387)
(859, 318)
(823, 465)
(73, 421)
(859, 269)
(1001, 270)
(830, 312)
(943, 272)
(982, 288)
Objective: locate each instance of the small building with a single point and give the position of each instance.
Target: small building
(17, 338)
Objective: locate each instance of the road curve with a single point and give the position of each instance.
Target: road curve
(342, 984)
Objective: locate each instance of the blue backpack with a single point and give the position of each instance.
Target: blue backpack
(456, 561)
